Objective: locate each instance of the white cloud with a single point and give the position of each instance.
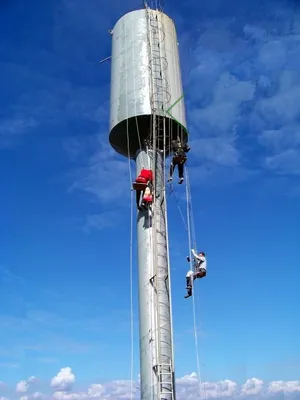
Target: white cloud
(32, 379)
(101, 221)
(285, 162)
(22, 387)
(272, 55)
(277, 140)
(69, 396)
(96, 390)
(240, 89)
(225, 388)
(220, 151)
(37, 395)
(254, 32)
(252, 386)
(13, 127)
(287, 387)
(230, 89)
(220, 116)
(105, 175)
(283, 146)
(63, 380)
(187, 388)
(281, 109)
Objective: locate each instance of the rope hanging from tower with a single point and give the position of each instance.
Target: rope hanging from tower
(192, 243)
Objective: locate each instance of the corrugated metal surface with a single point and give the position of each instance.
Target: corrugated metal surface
(132, 73)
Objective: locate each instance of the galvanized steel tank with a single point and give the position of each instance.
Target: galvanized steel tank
(134, 76)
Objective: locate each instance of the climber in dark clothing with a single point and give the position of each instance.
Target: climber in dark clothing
(179, 158)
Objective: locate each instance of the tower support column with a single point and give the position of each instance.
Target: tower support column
(156, 352)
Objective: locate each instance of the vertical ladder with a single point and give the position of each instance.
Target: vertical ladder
(161, 98)
(165, 381)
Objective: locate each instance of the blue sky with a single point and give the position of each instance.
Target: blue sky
(64, 259)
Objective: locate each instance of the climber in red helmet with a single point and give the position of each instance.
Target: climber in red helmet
(143, 187)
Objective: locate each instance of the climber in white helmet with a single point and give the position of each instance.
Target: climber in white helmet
(199, 271)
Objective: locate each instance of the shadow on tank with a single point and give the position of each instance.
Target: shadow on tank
(140, 128)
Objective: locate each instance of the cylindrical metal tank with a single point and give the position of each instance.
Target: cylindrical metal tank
(134, 78)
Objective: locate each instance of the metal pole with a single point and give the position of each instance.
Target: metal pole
(154, 300)
(146, 295)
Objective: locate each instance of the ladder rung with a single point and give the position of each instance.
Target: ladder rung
(164, 365)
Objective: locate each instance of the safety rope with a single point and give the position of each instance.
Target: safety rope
(131, 299)
(190, 228)
(172, 191)
(192, 242)
(191, 210)
(167, 238)
(131, 244)
(188, 220)
(131, 275)
(134, 89)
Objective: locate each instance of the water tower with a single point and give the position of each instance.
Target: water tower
(146, 112)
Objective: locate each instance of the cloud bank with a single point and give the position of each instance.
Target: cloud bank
(62, 387)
